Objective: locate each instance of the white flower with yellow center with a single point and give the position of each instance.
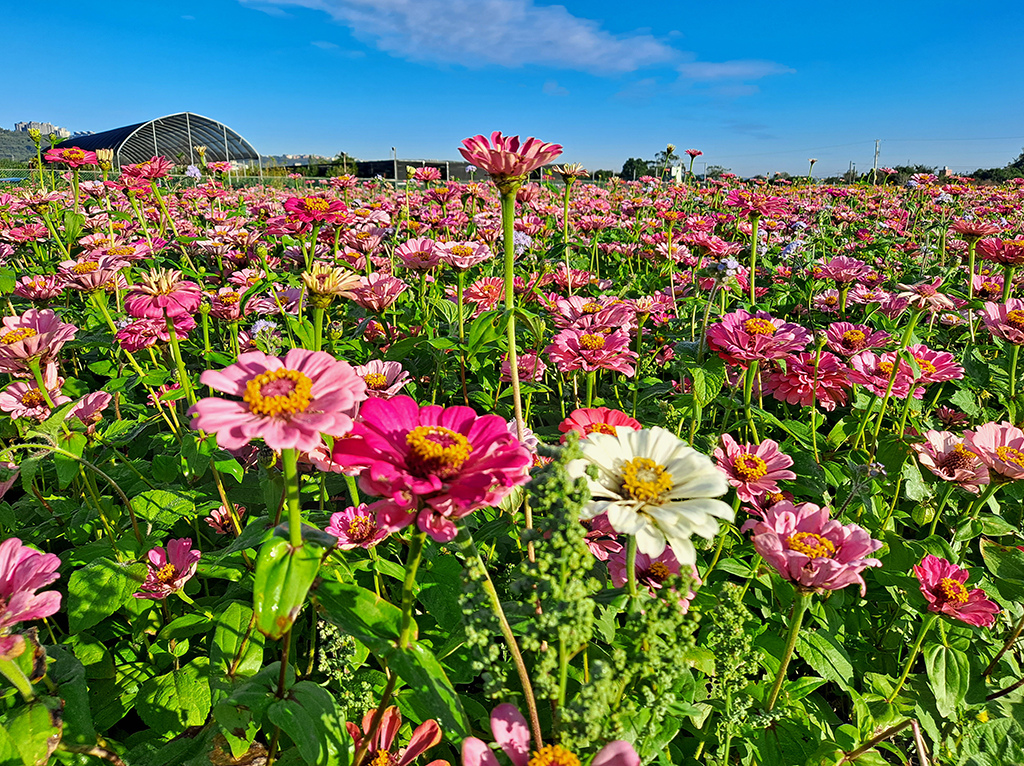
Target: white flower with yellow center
(654, 486)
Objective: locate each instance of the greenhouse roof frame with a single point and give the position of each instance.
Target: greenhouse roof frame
(171, 136)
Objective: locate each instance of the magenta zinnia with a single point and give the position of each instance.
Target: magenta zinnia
(943, 584)
(506, 157)
(742, 337)
(286, 402)
(753, 469)
(23, 571)
(434, 464)
(169, 569)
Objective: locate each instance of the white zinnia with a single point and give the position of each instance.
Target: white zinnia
(654, 486)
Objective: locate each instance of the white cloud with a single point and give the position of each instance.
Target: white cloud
(740, 69)
(188, 18)
(324, 45)
(476, 33)
(552, 88)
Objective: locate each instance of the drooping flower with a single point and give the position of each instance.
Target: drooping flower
(35, 335)
(655, 487)
(286, 402)
(741, 337)
(89, 409)
(601, 420)
(169, 569)
(753, 469)
(811, 550)
(161, 292)
(357, 527)
(504, 157)
(23, 571)
(1000, 446)
(942, 583)
(945, 455)
(512, 734)
(220, 519)
(434, 464)
(848, 339)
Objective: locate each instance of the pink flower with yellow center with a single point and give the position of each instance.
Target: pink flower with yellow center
(1000, 446)
(1008, 252)
(753, 469)
(811, 550)
(598, 420)
(431, 464)
(945, 455)
(383, 379)
(286, 402)
(741, 337)
(1005, 320)
(505, 157)
(169, 569)
(848, 339)
(807, 381)
(464, 255)
(71, 156)
(357, 527)
(35, 335)
(590, 349)
(944, 585)
(161, 293)
(314, 208)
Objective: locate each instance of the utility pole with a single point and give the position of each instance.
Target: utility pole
(394, 157)
(874, 167)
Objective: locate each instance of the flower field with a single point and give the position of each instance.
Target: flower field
(525, 471)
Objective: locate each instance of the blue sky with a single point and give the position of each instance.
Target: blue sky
(758, 87)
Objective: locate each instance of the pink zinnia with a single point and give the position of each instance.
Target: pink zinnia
(314, 208)
(505, 157)
(1006, 252)
(423, 737)
(531, 368)
(434, 464)
(942, 583)
(1000, 446)
(169, 569)
(753, 469)
(23, 571)
(925, 295)
(801, 383)
(378, 292)
(160, 293)
(220, 519)
(742, 337)
(71, 156)
(873, 371)
(944, 454)
(601, 420)
(843, 270)
(1005, 320)
(574, 349)
(89, 409)
(935, 366)
(152, 169)
(22, 399)
(420, 254)
(33, 335)
(849, 339)
(811, 550)
(357, 527)
(286, 402)
(383, 379)
(464, 255)
(42, 287)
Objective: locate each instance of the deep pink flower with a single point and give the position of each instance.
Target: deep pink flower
(802, 383)
(152, 169)
(169, 569)
(23, 571)
(1000, 446)
(601, 537)
(434, 464)
(143, 333)
(925, 295)
(424, 737)
(512, 734)
(753, 469)
(935, 366)
(220, 519)
(89, 409)
(942, 583)
(945, 455)
(314, 208)
(974, 229)
(71, 156)
(651, 572)
(588, 420)
(161, 292)
(811, 550)
(33, 335)
(742, 337)
(383, 379)
(849, 339)
(286, 402)
(1005, 252)
(357, 527)
(531, 368)
(504, 157)
(1005, 320)
(575, 349)
(873, 371)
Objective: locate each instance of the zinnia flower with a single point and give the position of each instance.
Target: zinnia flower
(23, 571)
(434, 464)
(71, 156)
(753, 469)
(286, 402)
(314, 208)
(1000, 446)
(383, 379)
(356, 527)
(220, 519)
(160, 293)
(33, 335)
(1005, 320)
(655, 487)
(575, 349)
(169, 569)
(945, 455)
(942, 583)
(601, 420)
(378, 751)
(803, 382)
(849, 339)
(505, 158)
(811, 550)
(742, 337)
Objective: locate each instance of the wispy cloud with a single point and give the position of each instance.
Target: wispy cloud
(477, 33)
(324, 45)
(552, 88)
(743, 70)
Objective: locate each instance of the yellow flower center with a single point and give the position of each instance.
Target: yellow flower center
(20, 334)
(74, 154)
(230, 299)
(953, 590)
(600, 428)
(376, 380)
(774, 497)
(33, 398)
(315, 204)
(758, 326)
(927, 368)
(645, 480)
(592, 342)
(166, 573)
(854, 339)
(885, 367)
(1015, 319)
(960, 458)
(658, 572)
(553, 755)
(461, 251)
(591, 308)
(361, 527)
(120, 250)
(1010, 455)
(382, 758)
(812, 545)
(87, 267)
(750, 467)
(278, 393)
(437, 450)
(831, 300)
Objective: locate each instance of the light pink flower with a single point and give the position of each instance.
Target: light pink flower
(848, 339)
(601, 538)
(24, 399)
(33, 335)
(942, 583)
(357, 527)
(43, 287)
(504, 157)
(843, 270)
(434, 464)
(419, 254)
(753, 469)
(945, 455)
(925, 295)
(811, 550)
(531, 368)
(1005, 320)
(873, 371)
(378, 292)
(383, 379)
(220, 519)
(23, 571)
(169, 569)
(742, 337)
(90, 407)
(286, 402)
(1000, 446)
(464, 255)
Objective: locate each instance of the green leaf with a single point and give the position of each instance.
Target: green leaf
(913, 483)
(363, 614)
(440, 586)
(241, 715)
(69, 676)
(161, 507)
(310, 717)
(949, 676)
(826, 655)
(282, 580)
(237, 648)
(99, 589)
(1004, 563)
(9, 749)
(225, 463)
(185, 626)
(67, 468)
(430, 692)
(176, 700)
(35, 732)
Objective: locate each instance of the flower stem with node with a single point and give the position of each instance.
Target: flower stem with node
(926, 625)
(754, 222)
(290, 464)
(990, 489)
(748, 387)
(801, 601)
(631, 565)
(409, 586)
(1008, 270)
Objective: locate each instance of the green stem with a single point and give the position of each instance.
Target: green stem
(1007, 281)
(754, 222)
(409, 586)
(971, 245)
(290, 461)
(591, 380)
(17, 677)
(179, 363)
(802, 600)
(631, 565)
(1013, 374)
(938, 511)
(508, 215)
(978, 504)
(318, 328)
(748, 387)
(926, 625)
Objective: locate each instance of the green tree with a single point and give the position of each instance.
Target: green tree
(714, 171)
(635, 167)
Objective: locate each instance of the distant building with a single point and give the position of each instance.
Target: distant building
(45, 128)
